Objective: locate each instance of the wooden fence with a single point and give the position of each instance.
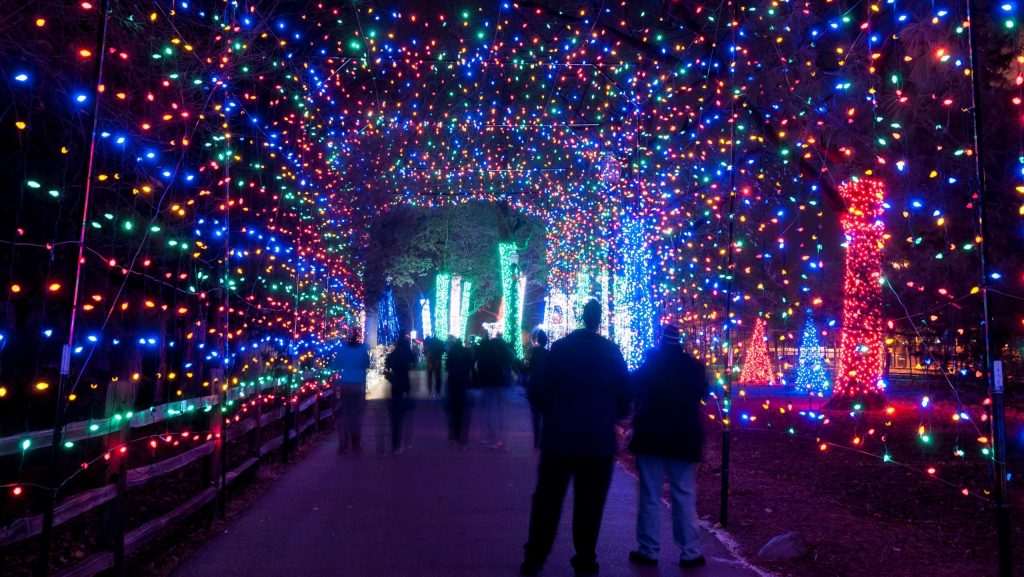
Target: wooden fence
(298, 414)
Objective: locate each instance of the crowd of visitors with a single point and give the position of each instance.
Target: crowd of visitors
(579, 391)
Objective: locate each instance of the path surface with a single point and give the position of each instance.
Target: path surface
(432, 511)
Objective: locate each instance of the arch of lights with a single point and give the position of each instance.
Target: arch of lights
(241, 148)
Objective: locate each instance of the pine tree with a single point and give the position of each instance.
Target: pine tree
(810, 365)
(757, 366)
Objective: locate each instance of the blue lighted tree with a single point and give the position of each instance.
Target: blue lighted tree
(387, 318)
(810, 365)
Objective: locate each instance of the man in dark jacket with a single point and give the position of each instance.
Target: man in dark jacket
(433, 350)
(494, 373)
(582, 392)
(460, 375)
(534, 365)
(397, 364)
(667, 438)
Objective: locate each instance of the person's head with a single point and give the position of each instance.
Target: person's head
(669, 336)
(353, 336)
(540, 338)
(592, 315)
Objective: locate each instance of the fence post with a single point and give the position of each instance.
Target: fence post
(256, 433)
(112, 517)
(216, 462)
(288, 418)
(316, 407)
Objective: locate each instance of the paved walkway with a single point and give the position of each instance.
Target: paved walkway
(432, 511)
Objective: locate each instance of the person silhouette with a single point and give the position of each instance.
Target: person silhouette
(583, 390)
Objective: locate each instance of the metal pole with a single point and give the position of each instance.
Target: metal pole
(42, 566)
(723, 513)
(998, 417)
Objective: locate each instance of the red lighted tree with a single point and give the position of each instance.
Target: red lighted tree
(862, 349)
(757, 366)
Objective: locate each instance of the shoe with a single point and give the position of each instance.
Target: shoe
(530, 568)
(693, 563)
(587, 570)
(637, 559)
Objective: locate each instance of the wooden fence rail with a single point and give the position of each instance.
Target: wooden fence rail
(135, 539)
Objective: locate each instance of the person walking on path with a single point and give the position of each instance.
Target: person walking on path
(433, 350)
(350, 365)
(534, 366)
(583, 390)
(460, 374)
(397, 364)
(494, 372)
(667, 439)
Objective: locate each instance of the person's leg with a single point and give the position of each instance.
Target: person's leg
(356, 422)
(491, 408)
(651, 472)
(682, 481)
(339, 418)
(535, 416)
(593, 477)
(552, 481)
(430, 376)
(396, 406)
(465, 412)
(500, 394)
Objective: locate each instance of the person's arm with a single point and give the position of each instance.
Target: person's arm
(542, 383)
(620, 383)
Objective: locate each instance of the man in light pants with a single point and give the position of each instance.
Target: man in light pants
(667, 439)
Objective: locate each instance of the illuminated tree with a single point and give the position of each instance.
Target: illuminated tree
(757, 365)
(387, 319)
(442, 303)
(859, 374)
(810, 365)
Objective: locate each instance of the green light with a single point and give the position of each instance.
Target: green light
(442, 301)
(886, 458)
(460, 331)
(507, 259)
(26, 444)
(68, 444)
(32, 184)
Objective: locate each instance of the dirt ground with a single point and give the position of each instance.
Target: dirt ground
(862, 516)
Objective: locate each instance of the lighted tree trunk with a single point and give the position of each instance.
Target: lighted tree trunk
(859, 375)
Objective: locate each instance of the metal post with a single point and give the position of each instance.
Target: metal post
(998, 417)
(42, 567)
(723, 513)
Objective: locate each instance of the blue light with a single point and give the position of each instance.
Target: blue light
(80, 98)
(21, 77)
